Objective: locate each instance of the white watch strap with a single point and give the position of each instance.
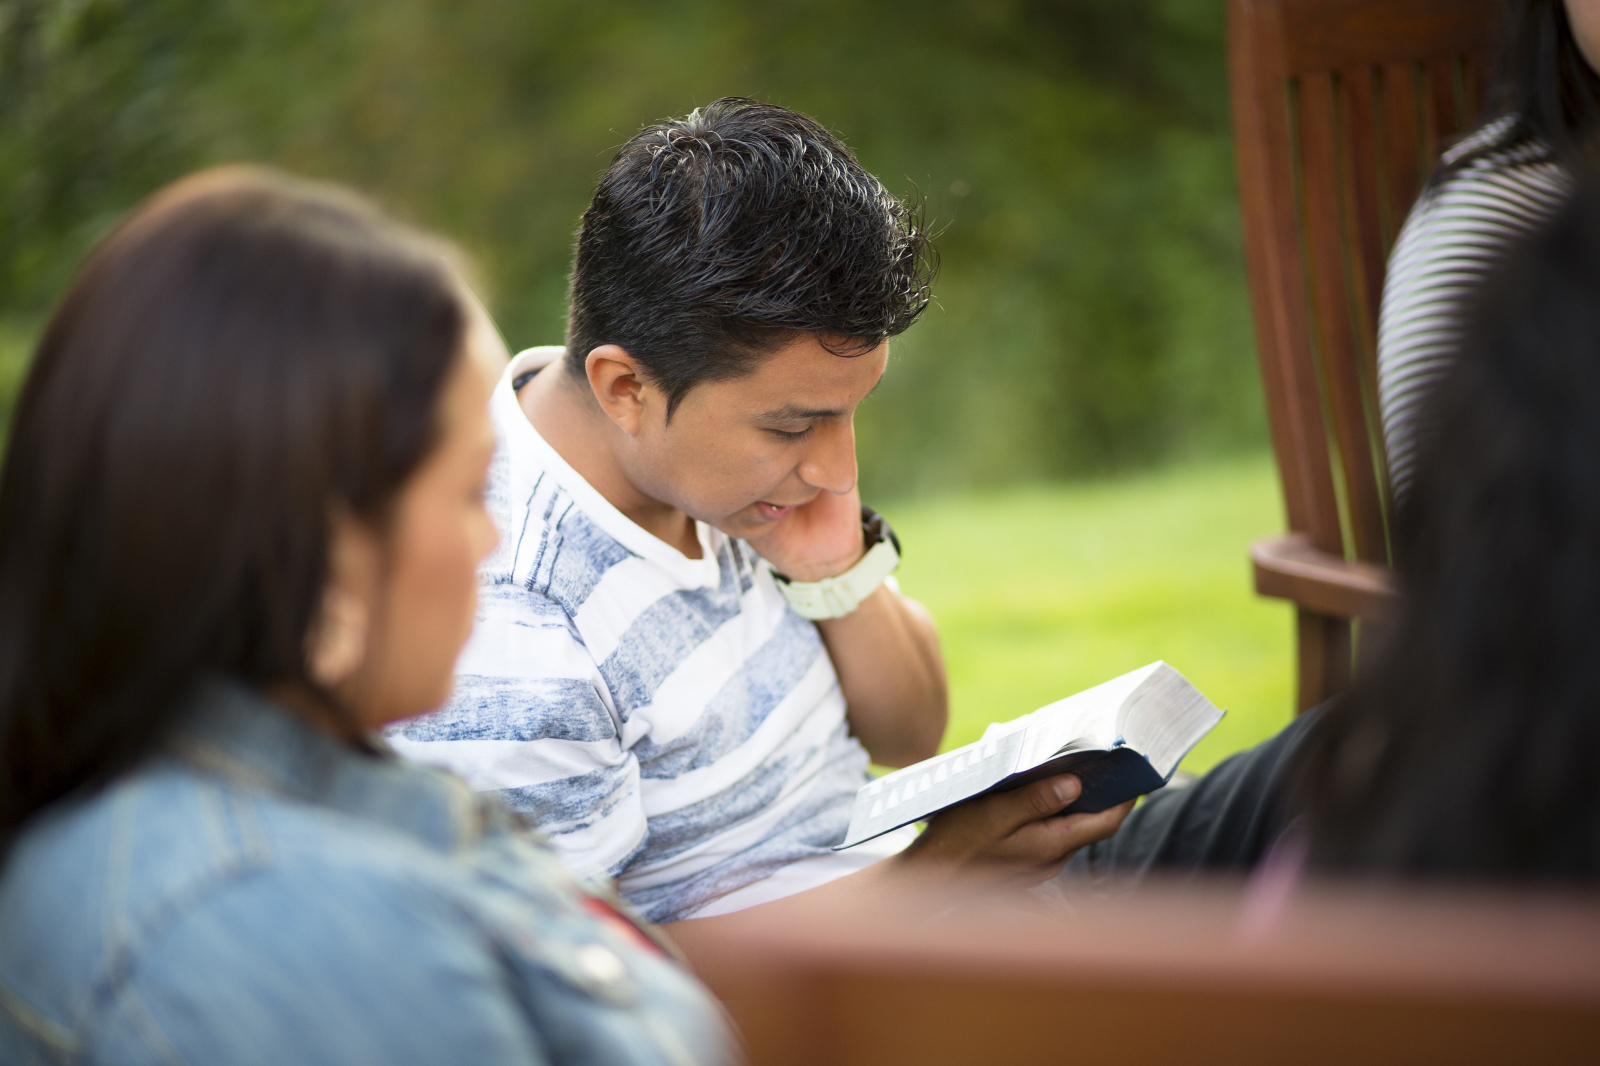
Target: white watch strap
(835, 597)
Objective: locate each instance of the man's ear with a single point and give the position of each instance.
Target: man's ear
(618, 382)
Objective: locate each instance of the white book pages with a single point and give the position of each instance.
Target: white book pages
(1164, 717)
(1091, 717)
(1154, 711)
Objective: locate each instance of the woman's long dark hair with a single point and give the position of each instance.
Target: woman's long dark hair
(243, 355)
(1544, 85)
(1473, 748)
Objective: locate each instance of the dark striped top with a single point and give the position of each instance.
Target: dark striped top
(1453, 237)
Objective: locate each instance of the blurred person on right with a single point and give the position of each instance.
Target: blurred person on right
(1471, 749)
(1499, 183)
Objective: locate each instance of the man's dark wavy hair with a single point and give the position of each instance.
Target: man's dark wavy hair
(716, 238)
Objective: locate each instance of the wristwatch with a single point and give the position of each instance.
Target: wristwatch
(835, 597)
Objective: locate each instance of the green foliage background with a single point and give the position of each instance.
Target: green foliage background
(1091, 312)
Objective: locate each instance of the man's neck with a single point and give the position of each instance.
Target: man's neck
(570, 421)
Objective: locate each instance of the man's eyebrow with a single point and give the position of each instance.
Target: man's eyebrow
(790, 413)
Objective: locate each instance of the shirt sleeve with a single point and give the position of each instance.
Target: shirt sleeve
(317, 971)
(530, 718)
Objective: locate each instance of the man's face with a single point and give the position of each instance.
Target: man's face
(742, 454)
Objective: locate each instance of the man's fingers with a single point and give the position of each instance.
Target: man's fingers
(1023, 827)
(1106, 822)
(1000, 814)
(1042, 799)
(1053, 839)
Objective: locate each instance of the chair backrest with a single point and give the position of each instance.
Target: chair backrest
(1340, 109)
(1198, 975)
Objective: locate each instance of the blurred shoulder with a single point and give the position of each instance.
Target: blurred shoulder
(358, 954)
(1493, 176)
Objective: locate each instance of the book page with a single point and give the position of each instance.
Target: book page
(1165, 716)
(1091, 717)
(1154, 712)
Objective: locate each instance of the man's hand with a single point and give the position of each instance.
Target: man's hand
(1014, 838)
(886, 651)
(821, 539)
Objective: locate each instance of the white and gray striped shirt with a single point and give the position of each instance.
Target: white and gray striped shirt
(1452, 239)
(664, 720)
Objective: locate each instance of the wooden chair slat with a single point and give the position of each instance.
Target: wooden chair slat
(1402, 136)
(1443, 110)
(1288, 373)
(1339, 347)
(1358, 123)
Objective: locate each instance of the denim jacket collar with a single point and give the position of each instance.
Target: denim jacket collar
(236, 733)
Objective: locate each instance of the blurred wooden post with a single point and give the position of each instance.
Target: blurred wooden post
(1340, 109)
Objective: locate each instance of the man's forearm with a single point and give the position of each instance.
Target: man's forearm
(891, 670)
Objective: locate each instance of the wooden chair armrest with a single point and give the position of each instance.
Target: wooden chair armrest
(1290, 568)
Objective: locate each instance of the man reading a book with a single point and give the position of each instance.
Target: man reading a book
(688, 648)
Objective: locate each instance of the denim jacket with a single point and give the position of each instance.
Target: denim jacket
(260, 893)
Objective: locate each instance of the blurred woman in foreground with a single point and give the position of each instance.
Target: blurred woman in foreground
(240, 520)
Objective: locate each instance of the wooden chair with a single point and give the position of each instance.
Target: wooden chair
(1200, 974)
(1340, 110)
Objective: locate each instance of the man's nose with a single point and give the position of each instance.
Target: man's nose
(830, 463)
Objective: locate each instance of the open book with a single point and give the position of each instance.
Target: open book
(1122, 739)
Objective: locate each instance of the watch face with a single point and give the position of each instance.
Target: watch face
(874, 528)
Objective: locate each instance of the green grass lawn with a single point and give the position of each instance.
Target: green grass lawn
(1042, 592)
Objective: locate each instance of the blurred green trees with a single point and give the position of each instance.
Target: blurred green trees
(1091, 311)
